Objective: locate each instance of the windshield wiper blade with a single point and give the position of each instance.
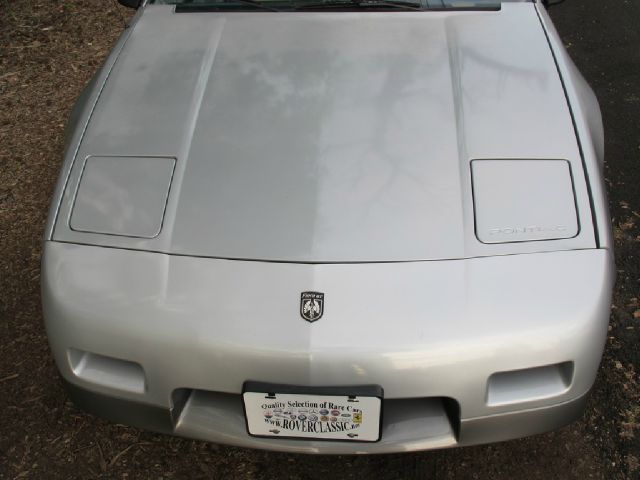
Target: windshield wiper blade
(191, 7)
(396, 4)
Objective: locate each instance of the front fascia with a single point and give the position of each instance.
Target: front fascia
(418, 329)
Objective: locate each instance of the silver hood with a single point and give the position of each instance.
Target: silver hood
(328, 137)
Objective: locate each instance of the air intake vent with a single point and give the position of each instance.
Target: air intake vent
(519, 386)
(107, 371)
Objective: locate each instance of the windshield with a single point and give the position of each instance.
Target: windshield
(288, 5)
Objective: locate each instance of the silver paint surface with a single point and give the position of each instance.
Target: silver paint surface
(310, 138)
(419, 329)
(523, 200)
(351, 143)
(122, 196)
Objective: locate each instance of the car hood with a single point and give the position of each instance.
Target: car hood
(324, 137)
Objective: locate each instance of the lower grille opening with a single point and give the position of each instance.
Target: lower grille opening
(432, 422)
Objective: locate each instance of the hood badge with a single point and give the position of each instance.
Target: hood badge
(311, 306)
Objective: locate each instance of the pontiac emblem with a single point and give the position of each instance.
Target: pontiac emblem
(311, 306)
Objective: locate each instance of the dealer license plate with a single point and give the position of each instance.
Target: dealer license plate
(311, 416)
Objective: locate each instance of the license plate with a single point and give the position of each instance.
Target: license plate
(332, 416)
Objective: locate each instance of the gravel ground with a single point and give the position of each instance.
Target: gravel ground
(48, 50)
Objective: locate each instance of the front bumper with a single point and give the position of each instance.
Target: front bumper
(467, 351)
(407, 426)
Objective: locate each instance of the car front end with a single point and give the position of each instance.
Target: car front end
(404, 208)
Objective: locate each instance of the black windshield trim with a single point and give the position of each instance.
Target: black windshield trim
(346, 7)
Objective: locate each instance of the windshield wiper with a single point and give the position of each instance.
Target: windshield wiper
(329, 4)
(192, 7)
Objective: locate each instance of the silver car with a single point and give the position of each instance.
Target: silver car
(332, 226)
